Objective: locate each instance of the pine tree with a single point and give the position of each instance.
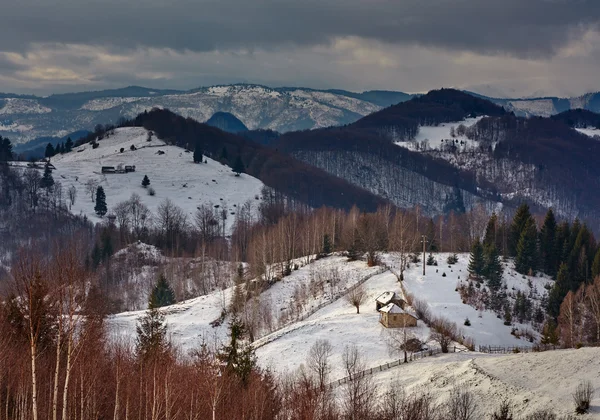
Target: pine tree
(238, 359)
(145, 181)
(476, 261)
(238, 166)
(47, 181)
(493, 268)
(224, 156)
(548, 250)
(151, 340)
(6, 149)
(68, 145)
(431, 260)
(596, 265)
(520, 220)
(327, 248)
(49, 151)
(100, 208)
(550, 334)
(491, 237)
(527, 254)
(162, 294)
(431, 242)
(198, 154)
(559, 290)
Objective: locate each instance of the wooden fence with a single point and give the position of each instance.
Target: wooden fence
(313, 309)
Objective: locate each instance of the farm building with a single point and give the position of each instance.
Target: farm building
(393, 316)
(386, 298)
(108, 170)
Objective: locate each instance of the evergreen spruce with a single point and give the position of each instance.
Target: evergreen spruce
(224, 156)
(526, 261)
(559, 290)
(493, 268)
(237, 358)
(476, 260)
(431, 242)
(198, 154)
(520, 220)
(47, 181)
(238, 166)
(151, 340)
(491, 237)
(431, 260)
(68, 145)
(327, 248)
(145, 181)
(548, 257)
(162, 294)
(596, 265)
(100, 208)
(6, 149)
(49, 151)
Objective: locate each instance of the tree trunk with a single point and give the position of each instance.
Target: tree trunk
(56, 372)
(33, 348)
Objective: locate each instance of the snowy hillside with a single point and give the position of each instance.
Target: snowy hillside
(172, 175)
(309, 305)
(280, 109)
(529, 382)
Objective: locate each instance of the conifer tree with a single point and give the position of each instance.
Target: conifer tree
(596, 265)
(224, 156)
(49, 151)
(527, 254)
(47, 181)
(238, 166)
(493, 268)
(68, 145)
(6, 149)
(151, 340)
(559, 290)
(431, 242)
(238, 358)
(100, 208)
(519, 223)
(145, 181)
(327, 248)
(491, 237)
(162, 293)
(476, 260)
(198, 154)
(548, 249)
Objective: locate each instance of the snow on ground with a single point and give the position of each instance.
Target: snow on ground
(434, 137)
(443, 299)
(590, 132)
(541, 107)
(188, 322)
(529, 382)
(341, 326)
(172, 175)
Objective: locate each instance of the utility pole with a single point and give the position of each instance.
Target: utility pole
(424, 240)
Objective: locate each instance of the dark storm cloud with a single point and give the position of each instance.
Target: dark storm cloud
(524, 28)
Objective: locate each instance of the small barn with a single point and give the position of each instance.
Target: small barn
(109, 170)
(393, 316)
(386, 298)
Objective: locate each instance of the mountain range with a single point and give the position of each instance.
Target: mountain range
(25, 118)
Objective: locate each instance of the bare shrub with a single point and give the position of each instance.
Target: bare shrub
(461, 405)
(422, 309)
(420, 406)
(546, 415)
(504, 412)
(582, 396)
(443, 332)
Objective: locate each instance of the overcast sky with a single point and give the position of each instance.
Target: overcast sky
(510, 47)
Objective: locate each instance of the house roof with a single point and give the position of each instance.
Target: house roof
(386, 297)
(392, 308)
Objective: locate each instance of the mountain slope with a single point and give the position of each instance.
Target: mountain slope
(227, 122)
(23, 118)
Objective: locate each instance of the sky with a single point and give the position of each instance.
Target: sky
(495, 47)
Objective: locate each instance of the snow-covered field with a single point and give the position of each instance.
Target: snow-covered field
(590, 132)
(434, 137)
(172, 175)
(529, 382)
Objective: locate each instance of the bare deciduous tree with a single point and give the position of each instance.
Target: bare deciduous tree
(356, 297)
(461, 405)
(318, 361)
(359, 393)
(91, 185)
(72, 194)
